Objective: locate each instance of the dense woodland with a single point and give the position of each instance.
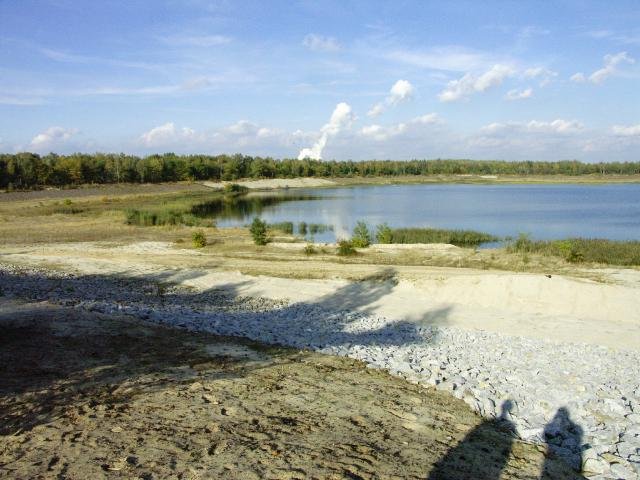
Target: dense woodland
(30, 170)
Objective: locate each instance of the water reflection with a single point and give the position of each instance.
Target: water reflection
(244, 207)
(545, 211)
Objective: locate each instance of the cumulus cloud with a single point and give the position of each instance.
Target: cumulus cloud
(242, 135)
(470, 83)
(578, 78)
(320, 43)
(341, 119)
(52, 137)
(401, 91)
(516, 94)
(380, 133)
(166, 134)
(611, 67)
(626, 131)
(543, 74)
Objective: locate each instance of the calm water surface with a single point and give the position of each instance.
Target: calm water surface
(544, 211)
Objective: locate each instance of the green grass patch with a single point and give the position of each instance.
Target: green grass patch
(579, 250)
(461, 238)
(147, 218)
(284, 227)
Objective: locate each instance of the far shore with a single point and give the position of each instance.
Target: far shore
(330, 182)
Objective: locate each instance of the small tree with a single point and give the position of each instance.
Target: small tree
(384, 233)
(361, 235)
(258, 231)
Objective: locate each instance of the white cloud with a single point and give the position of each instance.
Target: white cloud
(401, 91)
(52, 137)
(197, 40)
(516, 94)
(578, 77)
(242, 135)
(544, 74)
(557, 126)
(611, 64)
(341, 118)
(320, 43)
(470, 84)
(165, 135)
(380, 133)
(448, 58)
(626, 131)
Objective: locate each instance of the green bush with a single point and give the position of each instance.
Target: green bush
(361, 235)
(309, 249)
(258, 231)
(384, 233)
(199, 239)
(234, 189)
(345, 248)
(302, 228)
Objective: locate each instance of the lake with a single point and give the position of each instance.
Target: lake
(544, 211)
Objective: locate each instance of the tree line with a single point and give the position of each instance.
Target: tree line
(29, 170)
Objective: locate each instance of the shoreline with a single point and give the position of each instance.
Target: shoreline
(332, 182)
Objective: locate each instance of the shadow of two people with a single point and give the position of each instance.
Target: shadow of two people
(485, 451)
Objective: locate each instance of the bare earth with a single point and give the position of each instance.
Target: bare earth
(84, 395)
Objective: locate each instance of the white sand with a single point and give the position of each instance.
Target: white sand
(274, 183)
(529, 305)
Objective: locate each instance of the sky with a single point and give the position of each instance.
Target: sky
(510, 80)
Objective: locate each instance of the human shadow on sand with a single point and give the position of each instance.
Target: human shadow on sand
(485, 452)
(30, 347)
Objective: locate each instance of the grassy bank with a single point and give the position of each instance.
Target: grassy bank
(580, 250)
(460, 238)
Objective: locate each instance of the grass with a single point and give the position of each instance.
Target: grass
(460, 238)
(581, 250)
(284, 227)
(145, 218)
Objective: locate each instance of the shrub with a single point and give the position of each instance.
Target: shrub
(361, 235)
(258, 231)
(199, 239)
(234, 189)
(346, 248)
(309, 249)
(302, 228)
(384, 233)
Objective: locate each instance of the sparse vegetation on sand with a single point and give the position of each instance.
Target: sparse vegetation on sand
(579, 250)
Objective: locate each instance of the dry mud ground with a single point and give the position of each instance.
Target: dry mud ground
(84, 395)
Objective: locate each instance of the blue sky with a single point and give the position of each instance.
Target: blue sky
(331, 79)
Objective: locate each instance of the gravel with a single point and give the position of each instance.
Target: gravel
(582, 400)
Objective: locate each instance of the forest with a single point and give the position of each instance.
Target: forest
(29, 170)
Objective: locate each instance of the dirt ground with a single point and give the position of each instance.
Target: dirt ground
(84, 395)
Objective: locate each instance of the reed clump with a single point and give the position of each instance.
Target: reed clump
(460, 238)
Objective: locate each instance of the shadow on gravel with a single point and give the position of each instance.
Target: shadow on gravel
(54, 371)
(485, 451)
